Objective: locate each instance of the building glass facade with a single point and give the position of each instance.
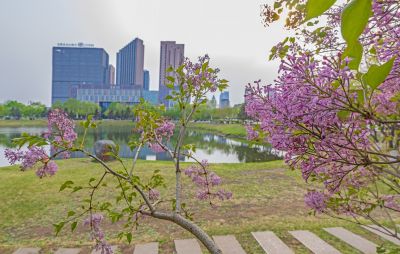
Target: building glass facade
(151, 96)
(224, 100)
(77, 65)
(171, 55)
(130, 64)
(101, 95)
(146, 80)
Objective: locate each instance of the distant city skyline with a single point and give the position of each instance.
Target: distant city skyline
(234, 38)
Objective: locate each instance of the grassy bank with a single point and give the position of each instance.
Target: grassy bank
(229, 130)
(266, 197)
(23, 123)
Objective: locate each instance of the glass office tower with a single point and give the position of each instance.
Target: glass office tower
(77, 64)
(130, 62)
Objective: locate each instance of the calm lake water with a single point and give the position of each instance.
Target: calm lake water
(215, 148)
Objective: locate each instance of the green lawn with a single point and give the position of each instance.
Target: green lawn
(232, 130)
(266, 197)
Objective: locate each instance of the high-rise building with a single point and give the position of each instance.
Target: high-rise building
(224, 100)
(74, 65)
(146, 80)
(130, 62)
(111, 75)
(213, 102)
(171, 55)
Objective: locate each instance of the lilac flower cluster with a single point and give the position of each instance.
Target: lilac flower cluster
(154, 194)
(97, 233)
(205, 181)
(162, 133)
(316, 201)
(60, 128)
(320, 115)
(199, 79)
(30, 158)
(61, 135)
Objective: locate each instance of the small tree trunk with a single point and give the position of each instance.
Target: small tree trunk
(191, 227)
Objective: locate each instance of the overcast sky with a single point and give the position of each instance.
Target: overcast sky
(230, 31)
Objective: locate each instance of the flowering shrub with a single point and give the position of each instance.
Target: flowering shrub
(334, 108)
(189, 84)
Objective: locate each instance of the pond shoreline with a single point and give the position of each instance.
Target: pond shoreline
(210, 142)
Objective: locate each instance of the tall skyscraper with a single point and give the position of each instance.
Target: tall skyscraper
(171, 54)
(130, 62)
(111, 75)
(146, 80)
(74, 65)
(224, 100)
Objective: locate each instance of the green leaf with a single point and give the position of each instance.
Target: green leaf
(71, 213)
(343, 114)
(77, 188)
(335, 84)
(73, 226)
(129, 237)
(354, 51)
(354, 19)
(377, 74)
(360, 97)
(171, 79)
(65, 185)
(58, 227)
(170, 86)
(204, 66)
(315, 8)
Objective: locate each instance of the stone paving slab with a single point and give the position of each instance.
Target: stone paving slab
(187, 246)
(352, 239)
(114, 248)
(313, 242)
(375, 229)
(68, 251)
(228, 244)
(27, 251)
(270, 243)
(147, 248)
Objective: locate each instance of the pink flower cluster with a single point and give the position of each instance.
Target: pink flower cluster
(303, 121)
(162, 133)
(154, 194)
(205, 181)
(196, 77)
(315, 113)
(61, 135)
(60, 129)
(97, 233)
(316, 201)
(30, 158)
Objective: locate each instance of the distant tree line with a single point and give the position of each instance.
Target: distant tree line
(81, 109)
(18, 110)
(78, 109)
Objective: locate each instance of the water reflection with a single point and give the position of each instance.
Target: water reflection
(214, 148)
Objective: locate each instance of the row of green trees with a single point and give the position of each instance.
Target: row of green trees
(18, 110)
(207, 113)
(80, 109)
